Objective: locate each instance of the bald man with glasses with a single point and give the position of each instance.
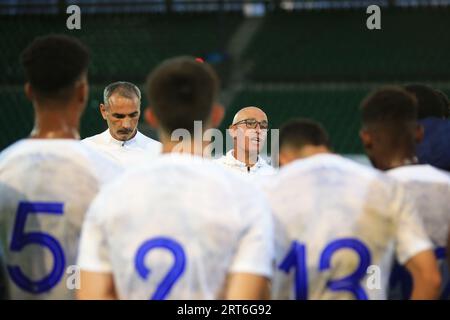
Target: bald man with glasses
(249, 132)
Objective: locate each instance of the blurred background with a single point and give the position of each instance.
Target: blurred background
(310, 58)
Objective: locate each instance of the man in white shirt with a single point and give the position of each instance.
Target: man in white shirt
(249, 132)
(48, 180)
(122, 142)
(390, 132)
(192, 230)
(339, 225)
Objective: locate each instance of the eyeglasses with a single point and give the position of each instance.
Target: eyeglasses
(252, 123)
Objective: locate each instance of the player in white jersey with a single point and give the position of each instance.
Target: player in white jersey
(389, 134)
(48, 180)
(339, 224)
(181, 227)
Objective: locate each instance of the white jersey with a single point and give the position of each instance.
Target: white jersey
(46, 187)
(175, 228)
(136, 151)
(260, 168)
(334, 219)
(429, 187)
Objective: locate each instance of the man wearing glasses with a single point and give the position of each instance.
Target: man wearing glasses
(249, 132)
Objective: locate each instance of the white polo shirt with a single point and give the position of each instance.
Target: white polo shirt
(260, 168)
(125, 153)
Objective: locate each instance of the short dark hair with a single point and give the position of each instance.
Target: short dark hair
(53, 64)
(389, 106)
(123, 88)
(430, 104)
(182, 90)
(445, 102)
(298, 133)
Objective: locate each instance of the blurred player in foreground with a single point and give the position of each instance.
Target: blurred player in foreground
(48, 180)
(249, 133)
(182, 227)
(389, 135)
(122, 142)
(339, 225)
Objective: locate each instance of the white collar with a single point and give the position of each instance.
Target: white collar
(109, 139)
(232, 161)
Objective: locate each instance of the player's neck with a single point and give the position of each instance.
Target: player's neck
(186, 147)
(399, 160)
(310, 150)
(52, 124)
(244, 156)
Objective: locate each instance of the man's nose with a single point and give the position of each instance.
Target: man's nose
(126, 123)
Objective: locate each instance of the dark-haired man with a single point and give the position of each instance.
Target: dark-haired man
(122, 142)
(48, 180)
(339, 224)
(389, 134)
(192, 230)
(433, 109)
(301, 138)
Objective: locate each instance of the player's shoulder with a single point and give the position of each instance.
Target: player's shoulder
(31, 147)
(188, 167)
(183, 170)
(422, 173)
(332, 162)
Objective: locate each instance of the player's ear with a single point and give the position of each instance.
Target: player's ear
(82, 91)
(103, 110)
(28, 91)
(283, 158)
(420, 132)
(232, 131)
(366, 139)
(150, 117)
(217, 113)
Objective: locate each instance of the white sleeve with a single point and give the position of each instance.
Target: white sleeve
(93, 251)
(255, 253)
(410, 235)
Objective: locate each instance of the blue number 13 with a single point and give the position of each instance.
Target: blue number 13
(296, 258)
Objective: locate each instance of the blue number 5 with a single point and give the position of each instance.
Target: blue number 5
(20, 239)
(175, 272)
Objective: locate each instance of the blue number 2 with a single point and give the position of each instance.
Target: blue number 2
(175, 272)
(296, 258)
(20, 239)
